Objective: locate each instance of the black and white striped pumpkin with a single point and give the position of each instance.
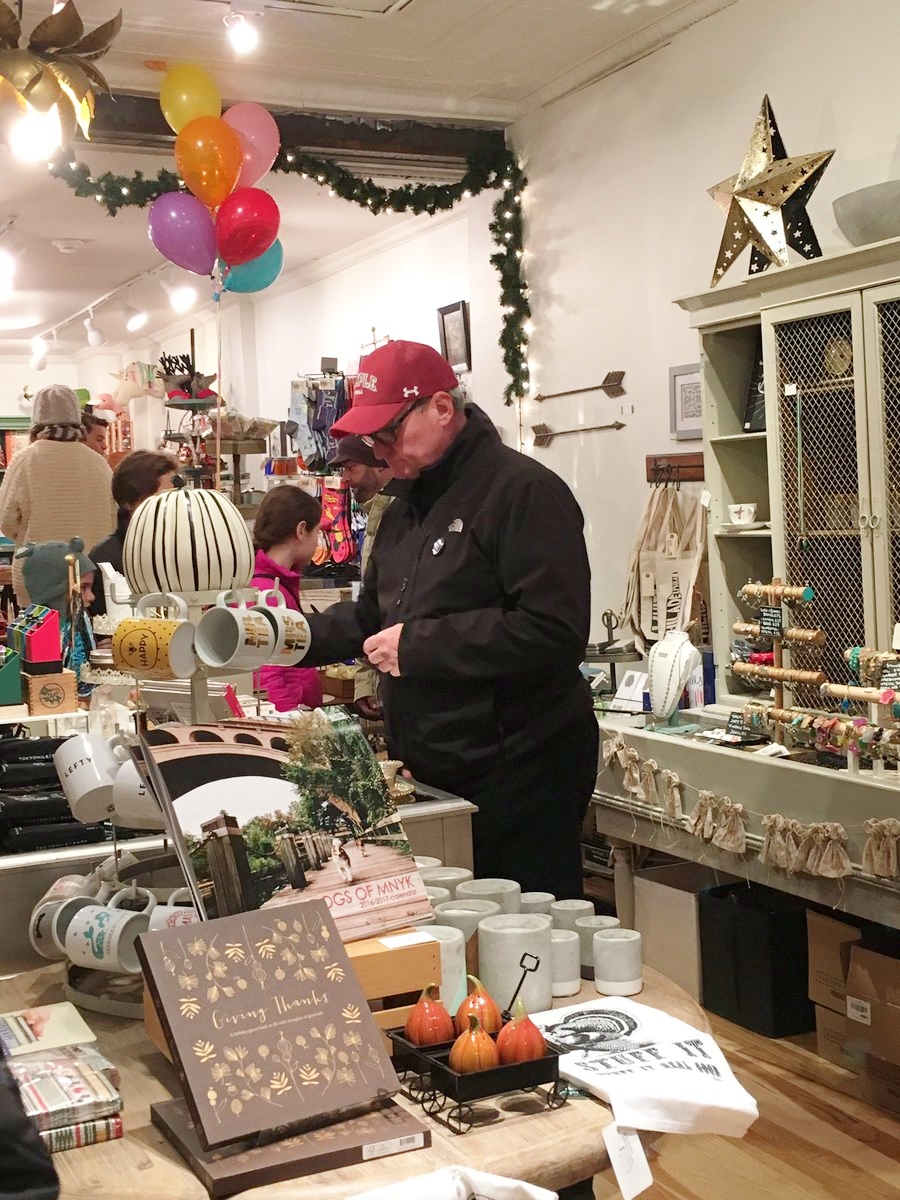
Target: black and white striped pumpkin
(187, 540)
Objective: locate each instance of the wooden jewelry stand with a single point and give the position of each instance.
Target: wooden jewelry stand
(775, 594)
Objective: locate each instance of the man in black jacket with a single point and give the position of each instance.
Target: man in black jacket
(475, 608)
(26, 1172)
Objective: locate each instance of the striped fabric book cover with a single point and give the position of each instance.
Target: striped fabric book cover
(85, 1133)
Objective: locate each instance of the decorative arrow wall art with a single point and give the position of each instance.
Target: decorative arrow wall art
(611, 385)
(544, 435)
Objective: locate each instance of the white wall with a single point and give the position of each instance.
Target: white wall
(619, 223)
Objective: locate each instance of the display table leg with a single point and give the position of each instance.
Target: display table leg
(623, 880)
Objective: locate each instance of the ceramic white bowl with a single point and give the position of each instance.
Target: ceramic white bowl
(871, 214)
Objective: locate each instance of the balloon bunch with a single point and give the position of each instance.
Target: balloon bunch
(220, 158)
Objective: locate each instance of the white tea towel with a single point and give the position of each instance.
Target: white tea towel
(458, 1183)
(656, 1072)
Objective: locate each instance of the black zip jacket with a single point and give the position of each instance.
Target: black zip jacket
(485, 564)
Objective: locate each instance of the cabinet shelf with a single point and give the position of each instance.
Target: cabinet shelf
(841, 383)
(735, 439)
(749, 533)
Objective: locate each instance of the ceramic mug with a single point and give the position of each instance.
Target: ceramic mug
(103, 938)
(172, 914)
(156, 647)
(134, 804)
(62, 918)
(40, 923)
(292, 635)
(143, 899)
(87, 765)
(238, 638)
(742, 514)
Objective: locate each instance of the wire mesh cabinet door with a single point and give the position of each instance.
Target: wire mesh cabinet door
(881, 312)
(819, 462)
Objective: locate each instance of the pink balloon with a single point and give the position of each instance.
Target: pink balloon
(260, 139)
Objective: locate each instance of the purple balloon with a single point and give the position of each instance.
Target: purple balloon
(182, 229)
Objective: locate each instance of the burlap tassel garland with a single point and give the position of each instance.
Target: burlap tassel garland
(834, 862)
(614, 747)
(697, 820)
(632, 781)
(880, 851)
(711, 820)
(774, 849)
(732, 833)
(671, 800)
(649, 768)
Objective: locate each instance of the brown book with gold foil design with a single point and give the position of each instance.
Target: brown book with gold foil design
(266, 1022)
(376, 1134)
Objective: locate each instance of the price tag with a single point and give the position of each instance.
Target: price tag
(771, 622)
(705, 498)
(890, 676)
(628, 1160)
(790, 389)
(672, 545)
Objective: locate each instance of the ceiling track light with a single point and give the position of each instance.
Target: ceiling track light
(242, 26)
(39, 348)
(134, 318)
(182, 295)
(95, 336)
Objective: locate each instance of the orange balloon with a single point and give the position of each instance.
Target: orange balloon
(209, 158)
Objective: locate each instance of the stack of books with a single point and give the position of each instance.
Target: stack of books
(70, 1091)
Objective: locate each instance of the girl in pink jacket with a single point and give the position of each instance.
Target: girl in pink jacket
(285, 535)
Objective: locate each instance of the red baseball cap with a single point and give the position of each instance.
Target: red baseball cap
(389, 379)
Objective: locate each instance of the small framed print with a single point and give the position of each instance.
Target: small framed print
(685, 403)
(453, 324)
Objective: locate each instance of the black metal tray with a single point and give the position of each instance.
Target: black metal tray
(444, 1094)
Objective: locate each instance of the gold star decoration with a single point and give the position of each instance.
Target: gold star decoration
(766, 201)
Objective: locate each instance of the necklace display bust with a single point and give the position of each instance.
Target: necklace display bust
(670, 664)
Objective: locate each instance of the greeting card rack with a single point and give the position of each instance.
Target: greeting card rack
(451, 1098)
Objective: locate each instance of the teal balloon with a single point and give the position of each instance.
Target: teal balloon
(258, 273)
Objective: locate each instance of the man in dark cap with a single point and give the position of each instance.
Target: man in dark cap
(476, 612)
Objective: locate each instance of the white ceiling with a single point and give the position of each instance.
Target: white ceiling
(463, 61)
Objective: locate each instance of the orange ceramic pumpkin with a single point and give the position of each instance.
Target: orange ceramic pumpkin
(520, 1040)
(473, 1050)
(481, 1005)
(429, 1022)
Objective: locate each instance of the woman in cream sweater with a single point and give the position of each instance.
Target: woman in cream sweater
(56, 488)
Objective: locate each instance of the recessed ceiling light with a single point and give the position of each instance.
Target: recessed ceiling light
(68, 245)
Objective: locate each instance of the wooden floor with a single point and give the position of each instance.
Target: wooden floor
(810, 1142)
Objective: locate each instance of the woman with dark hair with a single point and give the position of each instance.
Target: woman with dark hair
(56, 488)
(140, 474)
(285, 534)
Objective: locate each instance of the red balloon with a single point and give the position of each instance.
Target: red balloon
(246, 225)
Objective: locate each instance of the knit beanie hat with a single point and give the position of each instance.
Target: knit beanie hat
(46, 572)
(56, 405)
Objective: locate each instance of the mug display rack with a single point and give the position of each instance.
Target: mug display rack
(450, 1098)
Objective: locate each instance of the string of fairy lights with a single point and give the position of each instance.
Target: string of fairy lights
(495, 169)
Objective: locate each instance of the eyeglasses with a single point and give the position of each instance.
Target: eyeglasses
(388, 435)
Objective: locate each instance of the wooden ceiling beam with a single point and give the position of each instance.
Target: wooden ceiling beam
(137, 121)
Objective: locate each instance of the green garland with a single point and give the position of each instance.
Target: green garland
(483, 170)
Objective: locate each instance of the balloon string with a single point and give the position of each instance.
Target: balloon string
(218, 304)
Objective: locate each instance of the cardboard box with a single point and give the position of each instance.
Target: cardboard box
(879, 1084)
(829, 960)
(50, 695)
(832, 1040)
(666, 914)
(873, 1004)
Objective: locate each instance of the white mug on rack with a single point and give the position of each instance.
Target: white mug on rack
(238, 638)
(103, 938)
(141, 898)
(292, 635)
(87, 765)
(172, 914)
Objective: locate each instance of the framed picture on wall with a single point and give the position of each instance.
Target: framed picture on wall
(453, 325)
(685, 403)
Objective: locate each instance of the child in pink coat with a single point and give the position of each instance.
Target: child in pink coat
(285, 534)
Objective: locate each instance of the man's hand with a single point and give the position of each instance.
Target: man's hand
(369, 708)
(383, 650)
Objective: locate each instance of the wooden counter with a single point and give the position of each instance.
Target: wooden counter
(554, 1149)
